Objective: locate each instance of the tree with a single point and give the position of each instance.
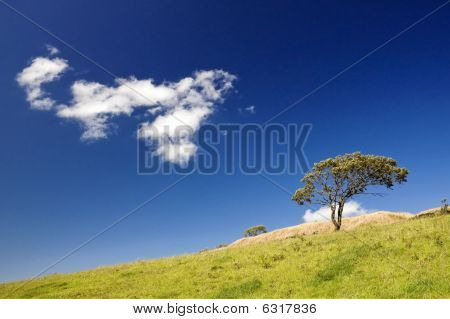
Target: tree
(333, 181)
(255, 231)
(444, 206)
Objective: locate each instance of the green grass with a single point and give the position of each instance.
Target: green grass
(409, 259)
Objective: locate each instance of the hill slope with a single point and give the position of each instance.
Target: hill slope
(408, 259)
(323, 227)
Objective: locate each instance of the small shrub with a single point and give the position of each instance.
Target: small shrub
(278, 257)
(377, 245)
(438, 241)
(237, 264)
(265, 261)
(216, 267)
(408, 243)
(296, 236)
(296, 247)
(212, 275)
(255, 231)
(221, 245)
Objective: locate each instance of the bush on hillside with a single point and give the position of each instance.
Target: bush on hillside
(255, 231)
(444, 206)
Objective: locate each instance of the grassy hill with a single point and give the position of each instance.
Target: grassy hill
(406, 259)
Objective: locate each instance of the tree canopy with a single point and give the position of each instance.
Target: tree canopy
(333, 181)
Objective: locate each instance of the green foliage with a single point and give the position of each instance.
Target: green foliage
(255, 231)
(333, 181)
(333, 265)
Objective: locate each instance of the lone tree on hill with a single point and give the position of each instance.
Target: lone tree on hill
(333, 181)
(255, 231)
(444, 206)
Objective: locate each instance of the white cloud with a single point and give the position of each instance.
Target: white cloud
(249, 109)
(192, 103)
(51, 49)
(41, 70)
(180, 107)
(173, 137)
(351, 208)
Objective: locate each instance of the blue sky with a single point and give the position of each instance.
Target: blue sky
(58, 190)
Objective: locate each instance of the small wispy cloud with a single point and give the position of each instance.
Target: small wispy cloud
(251, 109)
(51, 49)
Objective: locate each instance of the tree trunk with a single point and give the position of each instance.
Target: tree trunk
(339, 221)
(333, 218)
